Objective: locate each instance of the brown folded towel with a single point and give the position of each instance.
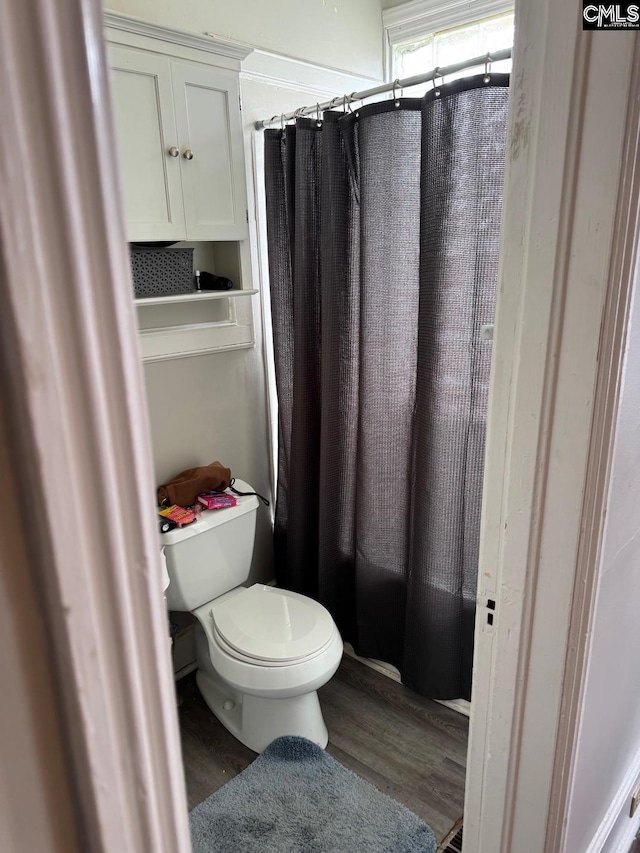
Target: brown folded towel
(186, 486)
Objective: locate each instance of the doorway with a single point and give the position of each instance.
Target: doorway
(513, 729)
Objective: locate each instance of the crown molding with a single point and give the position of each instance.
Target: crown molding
(206, 42)
(276, 69)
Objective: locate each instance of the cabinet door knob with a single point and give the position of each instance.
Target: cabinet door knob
(188, 154)
(173, 151)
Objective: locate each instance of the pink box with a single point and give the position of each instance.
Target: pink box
(215, 500)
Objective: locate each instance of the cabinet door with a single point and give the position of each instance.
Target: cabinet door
(146, 132)
(207, 104)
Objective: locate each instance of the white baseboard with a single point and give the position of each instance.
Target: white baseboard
(622, 842)
(380, 666)
(186, 670)
(390, 671)
(617, 830)
(462, 706)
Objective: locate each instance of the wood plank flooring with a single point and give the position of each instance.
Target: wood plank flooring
(410, 748)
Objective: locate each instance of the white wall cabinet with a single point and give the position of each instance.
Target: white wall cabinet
(179, 137)
(207, 106)
(147, 137)
(176, 105)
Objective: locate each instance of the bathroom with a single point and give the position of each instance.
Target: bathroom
(122, 721)
(211, 372)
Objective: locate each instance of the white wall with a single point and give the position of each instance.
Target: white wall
(213, 407)
(344, 34)
(608, 760)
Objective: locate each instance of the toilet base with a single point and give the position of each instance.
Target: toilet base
(255, 720)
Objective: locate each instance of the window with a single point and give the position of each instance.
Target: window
(417, 45)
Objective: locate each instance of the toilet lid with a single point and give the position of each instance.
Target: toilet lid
(271, 624)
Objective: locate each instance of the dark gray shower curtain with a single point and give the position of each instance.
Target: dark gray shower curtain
(383, 234)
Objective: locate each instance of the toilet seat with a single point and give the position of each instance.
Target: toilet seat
(267, 626)
(235, 655)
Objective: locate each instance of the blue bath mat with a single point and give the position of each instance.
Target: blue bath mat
(295, 798)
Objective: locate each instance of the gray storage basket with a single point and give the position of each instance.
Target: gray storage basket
(161, 272)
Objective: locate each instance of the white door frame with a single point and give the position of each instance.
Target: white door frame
(79, 436)
(569, 242)
(79, 441)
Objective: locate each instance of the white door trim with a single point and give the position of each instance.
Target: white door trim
(624, 260)
(565, 196)
(79, 436)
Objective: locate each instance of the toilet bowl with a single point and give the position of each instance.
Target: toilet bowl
(262, 694)
(262, 652)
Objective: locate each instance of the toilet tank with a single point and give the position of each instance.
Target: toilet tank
(211, 556)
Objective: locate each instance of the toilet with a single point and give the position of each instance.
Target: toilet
(262, 652)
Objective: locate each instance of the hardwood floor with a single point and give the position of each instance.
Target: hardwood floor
(410, 748)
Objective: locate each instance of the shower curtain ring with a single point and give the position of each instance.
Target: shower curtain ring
(396, 83)
(344, 103)
(487, 69)
(281, 121)
(436, 89)
(352, 96)
(318, 122)
(348, 99)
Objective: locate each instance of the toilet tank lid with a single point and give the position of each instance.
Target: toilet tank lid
(210, 518)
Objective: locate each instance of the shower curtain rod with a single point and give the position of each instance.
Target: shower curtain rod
(343, 100)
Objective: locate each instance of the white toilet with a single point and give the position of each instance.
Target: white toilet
(262, 652)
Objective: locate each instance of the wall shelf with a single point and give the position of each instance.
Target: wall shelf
(191, 324)
(196, 296)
